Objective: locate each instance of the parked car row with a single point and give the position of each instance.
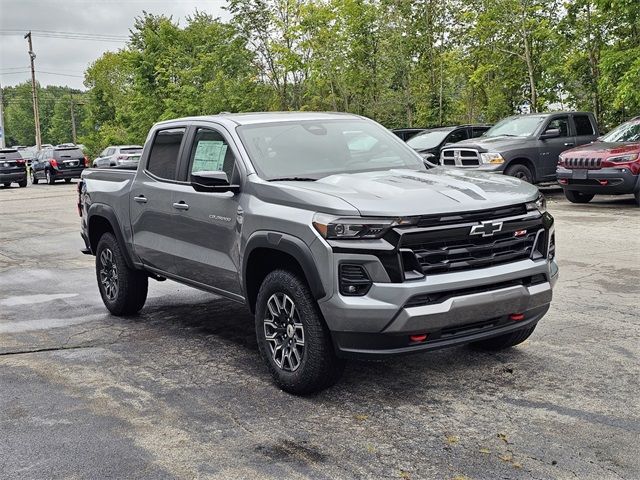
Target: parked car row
(119, 156)
(541, 148)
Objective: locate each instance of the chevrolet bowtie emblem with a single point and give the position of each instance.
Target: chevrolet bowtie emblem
(486, 229)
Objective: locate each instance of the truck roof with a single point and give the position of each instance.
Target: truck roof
(265, 117)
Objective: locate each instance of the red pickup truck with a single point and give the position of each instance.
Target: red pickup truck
(609, 166)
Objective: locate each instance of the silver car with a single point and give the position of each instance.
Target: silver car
(118, 155)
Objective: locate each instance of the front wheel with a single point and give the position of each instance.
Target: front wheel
(123, 289)
(520, 171)
(23, 183)
(578, 197)
(292, 336)
(34, 179)
(507, 340)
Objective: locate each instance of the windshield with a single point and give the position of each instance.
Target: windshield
(627, 132)
(515, 126)
(316, 149)
(427, 139)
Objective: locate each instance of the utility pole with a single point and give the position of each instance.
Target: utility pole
(2, 132)
(34, 93)
(73, 121)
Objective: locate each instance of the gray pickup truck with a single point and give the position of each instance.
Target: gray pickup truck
(332, 231)
(524, 146)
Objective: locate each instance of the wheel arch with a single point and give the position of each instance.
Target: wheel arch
(268, 251)
(525, 161)
(102, 219)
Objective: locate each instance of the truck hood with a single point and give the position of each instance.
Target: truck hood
(491, 144)
(412, 192)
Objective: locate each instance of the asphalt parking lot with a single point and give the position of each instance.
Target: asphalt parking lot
(180, 391)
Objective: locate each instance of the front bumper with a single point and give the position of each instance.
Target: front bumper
(620, 181)
(464, 307)
(13, 177)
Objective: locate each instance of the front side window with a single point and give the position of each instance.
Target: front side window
(457, 136)
(562, 124)
(318, 148)
(211, 153)
(163, 159)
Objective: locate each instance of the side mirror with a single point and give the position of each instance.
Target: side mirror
(550, 133)
(428, 159)
(212, 182)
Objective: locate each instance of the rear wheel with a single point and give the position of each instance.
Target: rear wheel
(520, 171)
(578, 197)
(34, 179)
(67, 180)
(49, 177)
(292, 336)
(123, 289)
(7, 184)
(23, 183)
(507, 340)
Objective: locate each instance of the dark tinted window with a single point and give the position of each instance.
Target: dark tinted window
(163, 158)
(562, 124)
(583, 125)
(130, 150)
(211, 153)
(478, 131)
(457, 136)
(68, 153)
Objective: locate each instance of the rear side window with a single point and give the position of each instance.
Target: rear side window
(163, 158)
(583, 125)
(68, 153)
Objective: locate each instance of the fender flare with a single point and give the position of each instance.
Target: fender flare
(290, 245)
(107, 212)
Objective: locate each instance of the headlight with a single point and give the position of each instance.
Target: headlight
(540, 204)
(624, 158)
(346, 228)
(491, 158)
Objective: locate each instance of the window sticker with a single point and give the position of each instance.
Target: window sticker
(209, 156)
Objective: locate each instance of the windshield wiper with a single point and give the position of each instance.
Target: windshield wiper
(293, 179)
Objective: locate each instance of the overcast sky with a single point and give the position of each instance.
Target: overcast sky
(67, 58)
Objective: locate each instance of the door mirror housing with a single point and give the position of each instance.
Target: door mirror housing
(550, 133)
(212, 182)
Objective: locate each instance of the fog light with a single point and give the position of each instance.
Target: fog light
(353, 280)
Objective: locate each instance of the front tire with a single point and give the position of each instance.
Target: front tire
(23, 183)
(34, 179)
(292, 336)
(507, 340)
(123, 289)
(520, 171)
(578, 197)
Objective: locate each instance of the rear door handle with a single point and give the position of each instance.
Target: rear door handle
(140, 199)
(569, 144)
(181, 206)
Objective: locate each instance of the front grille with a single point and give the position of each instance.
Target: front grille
(441, 250)
(583, 162)
(460, 157)
(480, 215)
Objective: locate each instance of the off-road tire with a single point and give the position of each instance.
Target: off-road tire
(507, 340)
(132, 285)
(578, 197)
(520, 171)
(23, 183)
(319, 367)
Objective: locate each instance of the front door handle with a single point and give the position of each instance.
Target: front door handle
(140, 199)
(181, 206)
(569, 144)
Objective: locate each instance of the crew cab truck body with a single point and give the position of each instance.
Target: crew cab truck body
(339, 251)
(610, 166)
(524, 146)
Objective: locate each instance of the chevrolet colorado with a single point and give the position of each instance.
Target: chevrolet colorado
(524, 146)
(341, 248)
